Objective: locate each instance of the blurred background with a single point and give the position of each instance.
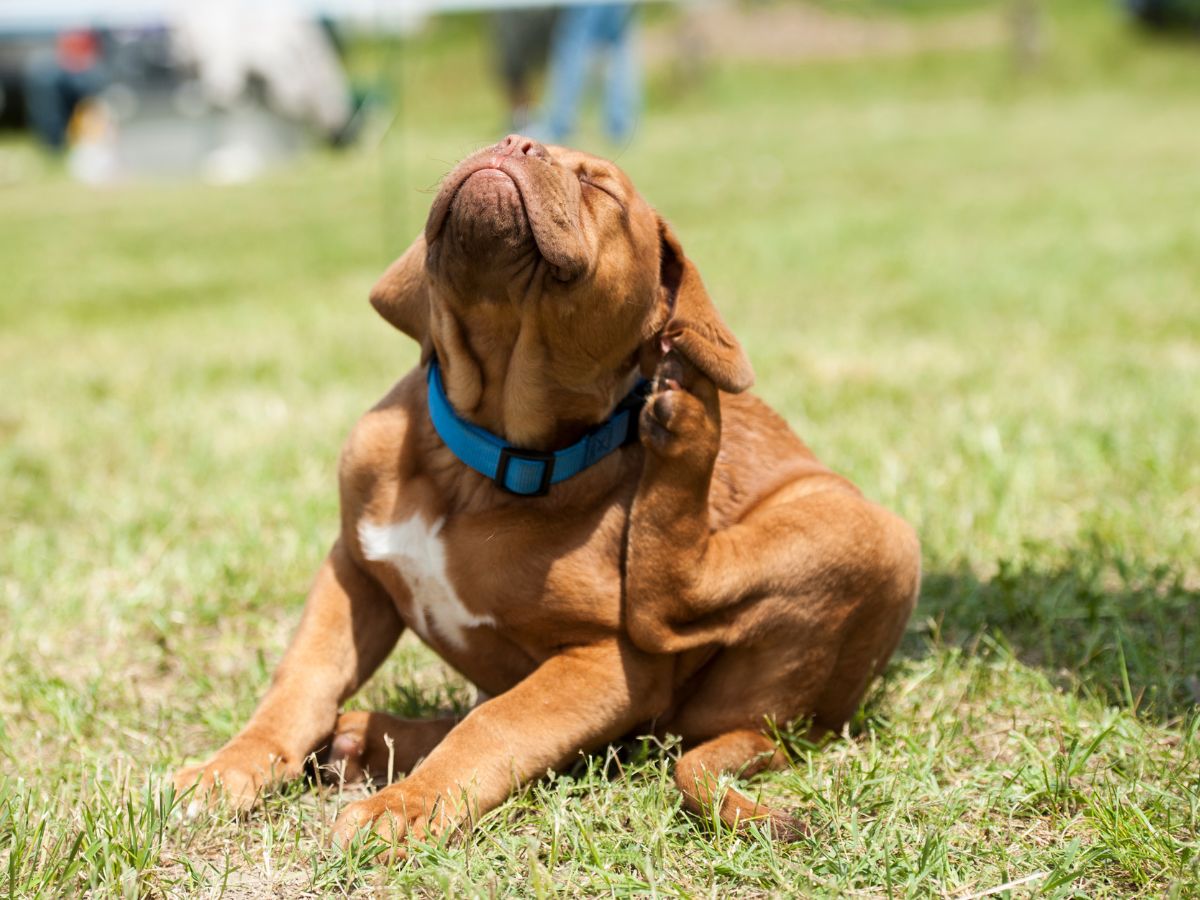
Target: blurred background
(987, 201)
(959, 238)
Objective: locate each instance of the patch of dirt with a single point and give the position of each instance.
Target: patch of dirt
(790, 32)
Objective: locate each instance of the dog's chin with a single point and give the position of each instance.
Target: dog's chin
(487, 221)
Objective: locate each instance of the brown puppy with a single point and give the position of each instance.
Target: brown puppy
(701, 582)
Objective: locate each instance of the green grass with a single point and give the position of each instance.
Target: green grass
(974, 293)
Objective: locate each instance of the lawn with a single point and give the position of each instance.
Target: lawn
(975, 292)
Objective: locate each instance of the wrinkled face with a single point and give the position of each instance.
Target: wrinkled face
(549, 247)
(528, 203)
(542, 282)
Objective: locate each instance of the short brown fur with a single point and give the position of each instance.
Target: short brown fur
(704, 582)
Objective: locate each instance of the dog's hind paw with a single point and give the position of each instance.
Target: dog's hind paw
(681, 417)
(347, 754)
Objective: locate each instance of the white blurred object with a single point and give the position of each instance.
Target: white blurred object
(394, 16)
(234, 163)
(92, 157)
(233, 44)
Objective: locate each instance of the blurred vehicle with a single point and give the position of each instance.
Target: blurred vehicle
(222, 90)
(16, 49)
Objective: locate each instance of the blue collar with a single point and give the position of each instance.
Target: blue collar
(529, 473)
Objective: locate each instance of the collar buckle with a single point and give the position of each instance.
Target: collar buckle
(507, 454)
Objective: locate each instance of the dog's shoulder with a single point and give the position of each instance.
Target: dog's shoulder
(372, 462)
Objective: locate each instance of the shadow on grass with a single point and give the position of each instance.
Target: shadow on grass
(1123, 631)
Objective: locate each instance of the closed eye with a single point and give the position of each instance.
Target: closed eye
(586, 181)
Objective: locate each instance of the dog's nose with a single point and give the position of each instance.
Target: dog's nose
(519, 145)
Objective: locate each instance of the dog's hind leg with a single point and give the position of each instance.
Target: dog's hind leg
(378, 745)
(743, 752)
(810, 556)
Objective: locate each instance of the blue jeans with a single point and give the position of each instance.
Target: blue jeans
(52, 93)
(580, 34)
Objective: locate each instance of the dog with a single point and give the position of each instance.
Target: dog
(575, 502)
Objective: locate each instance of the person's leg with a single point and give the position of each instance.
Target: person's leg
(622, 94)
(45, 99)
(570, 55)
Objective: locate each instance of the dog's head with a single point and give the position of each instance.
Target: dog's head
(545, 283)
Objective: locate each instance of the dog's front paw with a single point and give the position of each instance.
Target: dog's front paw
(395, 814)
(682, 417)
(238, 774)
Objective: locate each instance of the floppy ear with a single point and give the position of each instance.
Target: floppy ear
(401, 295)
(694, 327)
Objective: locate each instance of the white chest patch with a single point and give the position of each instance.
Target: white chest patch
(419, 555)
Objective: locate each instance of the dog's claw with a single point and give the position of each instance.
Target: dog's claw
(670, 373)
